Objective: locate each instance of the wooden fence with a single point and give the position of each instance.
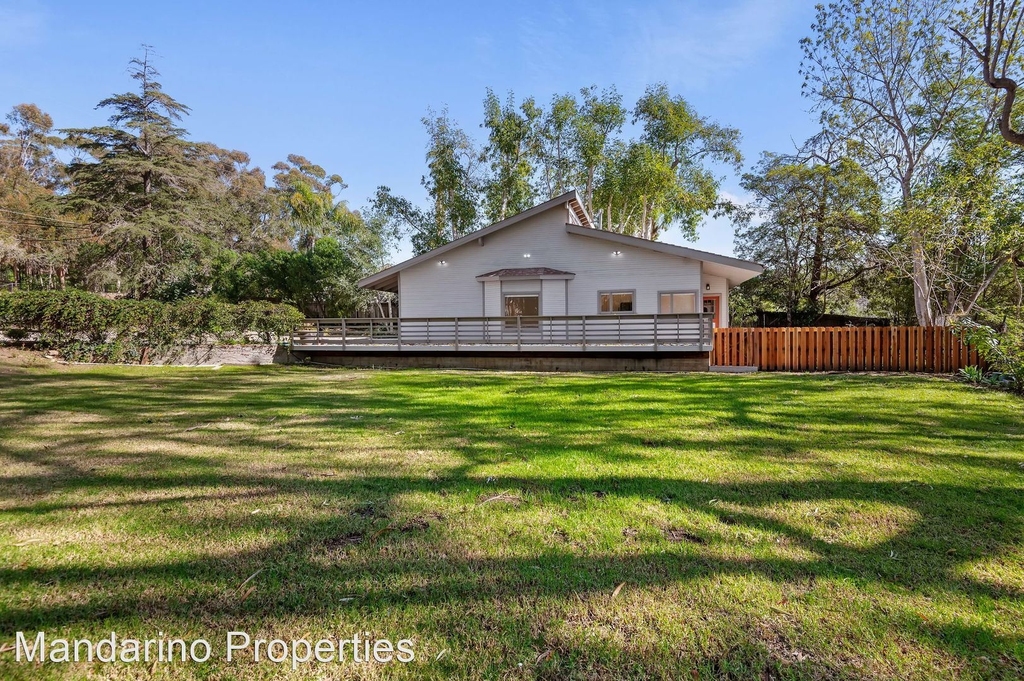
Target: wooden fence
(926, 349)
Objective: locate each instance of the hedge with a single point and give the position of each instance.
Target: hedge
(87, 327)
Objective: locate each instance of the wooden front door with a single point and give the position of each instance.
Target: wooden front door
(713, 306)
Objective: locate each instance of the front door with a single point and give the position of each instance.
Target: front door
(523, 306)
(712, 306)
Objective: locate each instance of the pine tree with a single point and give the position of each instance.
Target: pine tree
(142, 182)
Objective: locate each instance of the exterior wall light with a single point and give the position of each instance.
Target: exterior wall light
(616, 252)
(526, 255)
(707, 287)
(442, 262)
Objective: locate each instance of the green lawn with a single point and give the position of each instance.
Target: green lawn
(761, 526)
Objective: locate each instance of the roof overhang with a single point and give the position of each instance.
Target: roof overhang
(387, 279)
(388, 283)
(735, 270)
(525, 274)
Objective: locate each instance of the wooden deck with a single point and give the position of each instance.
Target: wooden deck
(672, 333)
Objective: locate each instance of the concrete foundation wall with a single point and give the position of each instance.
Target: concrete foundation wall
(210, 355)
(691, 361)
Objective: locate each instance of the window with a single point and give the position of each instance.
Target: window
(675, 302)
(522, 306)
(615, 302)
(527, 305)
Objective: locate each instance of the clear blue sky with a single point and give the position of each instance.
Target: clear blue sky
(346, 83)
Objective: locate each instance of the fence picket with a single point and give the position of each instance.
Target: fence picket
(897, 348)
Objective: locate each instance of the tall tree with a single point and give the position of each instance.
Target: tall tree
(137, 179)
(34, 243)
(971, 207)
(512, 144)
(451, 180)
(664, 178)
(812, 221)
(307, 193)
(556, 144)
(884, 73)
(452, 185)
(991, 29)
(27, 146)
(601, 117)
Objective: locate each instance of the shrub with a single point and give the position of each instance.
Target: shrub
(87, 327)
(1002, 351)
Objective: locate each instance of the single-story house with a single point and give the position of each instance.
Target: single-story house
(551, 260)
(544, 289)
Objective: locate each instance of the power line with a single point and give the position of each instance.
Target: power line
(19, 237)
(43, 217)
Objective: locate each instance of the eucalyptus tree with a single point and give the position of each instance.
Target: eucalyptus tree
(452, 179)
(512, 148)
(637, 190)
(31, 243)
(309, 202)
(577, 137)
(665, 177)
(600, 120)
(453, 187)
(557, 141)
(27, 151)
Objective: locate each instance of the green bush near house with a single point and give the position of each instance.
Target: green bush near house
(88, 327)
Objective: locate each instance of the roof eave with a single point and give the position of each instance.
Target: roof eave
(670, 249)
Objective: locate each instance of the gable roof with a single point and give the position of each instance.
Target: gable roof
(735, 270)
(387, 279)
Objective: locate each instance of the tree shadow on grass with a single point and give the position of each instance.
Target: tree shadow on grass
(487, 419)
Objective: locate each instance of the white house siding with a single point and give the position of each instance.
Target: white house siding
(521, 286)
(552, 299)
(430, 289)
(492, 299)
(720, 286)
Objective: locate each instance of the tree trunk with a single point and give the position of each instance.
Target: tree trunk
(818, 259)
(919, 276)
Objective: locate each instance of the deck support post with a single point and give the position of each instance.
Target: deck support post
(583, 326)
(655, 332)
(398, 332)
(519, 334)
(319, 331)
(344, 334)
(456, 334)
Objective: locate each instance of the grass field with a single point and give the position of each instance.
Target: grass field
(517, 525)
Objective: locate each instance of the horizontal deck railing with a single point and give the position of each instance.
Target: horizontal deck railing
(657, 332)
